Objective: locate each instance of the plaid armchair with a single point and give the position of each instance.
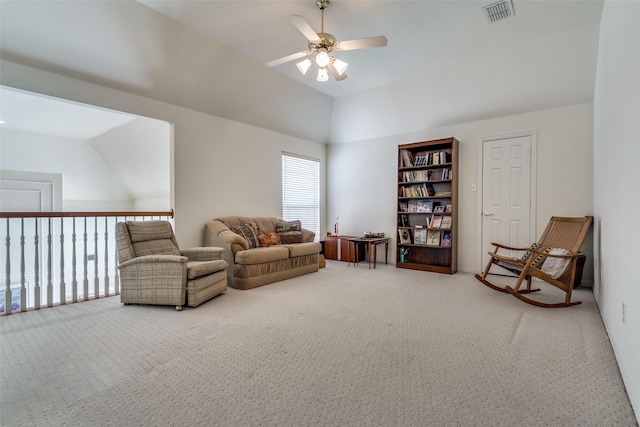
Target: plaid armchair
(153, 269)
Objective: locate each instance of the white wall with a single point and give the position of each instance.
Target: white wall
(87, 181)
(616, 184)
(221, 167)
(139, 154)
(362, 178)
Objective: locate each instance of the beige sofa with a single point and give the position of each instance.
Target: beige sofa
(251, 266)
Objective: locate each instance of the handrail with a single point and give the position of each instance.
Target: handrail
(61, 257)
(169, 214)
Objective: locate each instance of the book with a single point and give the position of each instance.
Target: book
(430, 189)
(437, 221)
(446, 238)
(420, 237)
(446, 222)
(448, 208)
(407, 158)
(424, 206)
(433, 238)
(405, 237)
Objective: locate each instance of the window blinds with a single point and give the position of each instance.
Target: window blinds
(301, 191)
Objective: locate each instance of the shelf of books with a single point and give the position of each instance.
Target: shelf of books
(428, 206)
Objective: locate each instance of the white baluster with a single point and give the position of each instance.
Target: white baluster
(116, 274)
(36, 266)
(23, 289)
(106, 256)
(49, 272)
(74, 281)
(96, 279)
(7, 292)
(85, 282)
(63, 289)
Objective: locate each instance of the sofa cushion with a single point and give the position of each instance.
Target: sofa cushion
(266, 224)
(202, 268)
(142, 231)
(155, 247)
(248, 233)
(301, 249)
(269, 239)
(260, 255)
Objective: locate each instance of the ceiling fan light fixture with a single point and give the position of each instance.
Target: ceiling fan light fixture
(322, 59)
(321, 45)
(340, 66)
(323, 75)
(303, 66)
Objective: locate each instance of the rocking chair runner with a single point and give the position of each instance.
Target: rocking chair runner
(554, 259)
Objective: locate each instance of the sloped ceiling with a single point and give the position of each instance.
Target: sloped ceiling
(45, 115)
(444, 63)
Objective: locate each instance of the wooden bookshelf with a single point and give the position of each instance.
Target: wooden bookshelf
(428, 188)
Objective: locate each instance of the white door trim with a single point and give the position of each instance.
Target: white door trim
(49, 184)
(532, 208)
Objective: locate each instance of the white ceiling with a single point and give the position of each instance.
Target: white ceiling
(443, 64)
(41, 114)
(423, 35)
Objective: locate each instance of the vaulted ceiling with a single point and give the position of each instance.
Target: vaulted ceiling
(443, 64)
(422, 35)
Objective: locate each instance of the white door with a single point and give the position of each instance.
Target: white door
(508, 192)
(26, 192)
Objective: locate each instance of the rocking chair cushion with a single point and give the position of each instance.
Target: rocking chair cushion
(553, 266)
(539, 260)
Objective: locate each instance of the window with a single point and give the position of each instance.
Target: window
(301, 191)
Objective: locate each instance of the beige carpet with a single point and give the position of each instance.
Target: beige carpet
(346, 346)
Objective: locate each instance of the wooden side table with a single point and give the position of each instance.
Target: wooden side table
(337, 248)
(372, 243)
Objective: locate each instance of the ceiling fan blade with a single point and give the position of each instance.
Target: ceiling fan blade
(288, 58)
(304, 27)
(335, 73)
(366, 43)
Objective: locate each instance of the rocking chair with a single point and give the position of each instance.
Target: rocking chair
(554, 259)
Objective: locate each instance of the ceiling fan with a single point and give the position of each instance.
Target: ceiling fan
(320, 48)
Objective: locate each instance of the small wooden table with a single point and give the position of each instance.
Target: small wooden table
(371, 242)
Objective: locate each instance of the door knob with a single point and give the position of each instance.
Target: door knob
(485, 213)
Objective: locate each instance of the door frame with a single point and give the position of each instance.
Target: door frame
(533, 134)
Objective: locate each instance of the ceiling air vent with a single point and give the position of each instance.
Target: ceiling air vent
(498, 11)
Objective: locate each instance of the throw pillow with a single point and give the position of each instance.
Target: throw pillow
(290, 231)
(248, 233)
(291, 237)
(269, 239)
(283, 227)
(553, 266)
(528, 253)
(537, 262)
